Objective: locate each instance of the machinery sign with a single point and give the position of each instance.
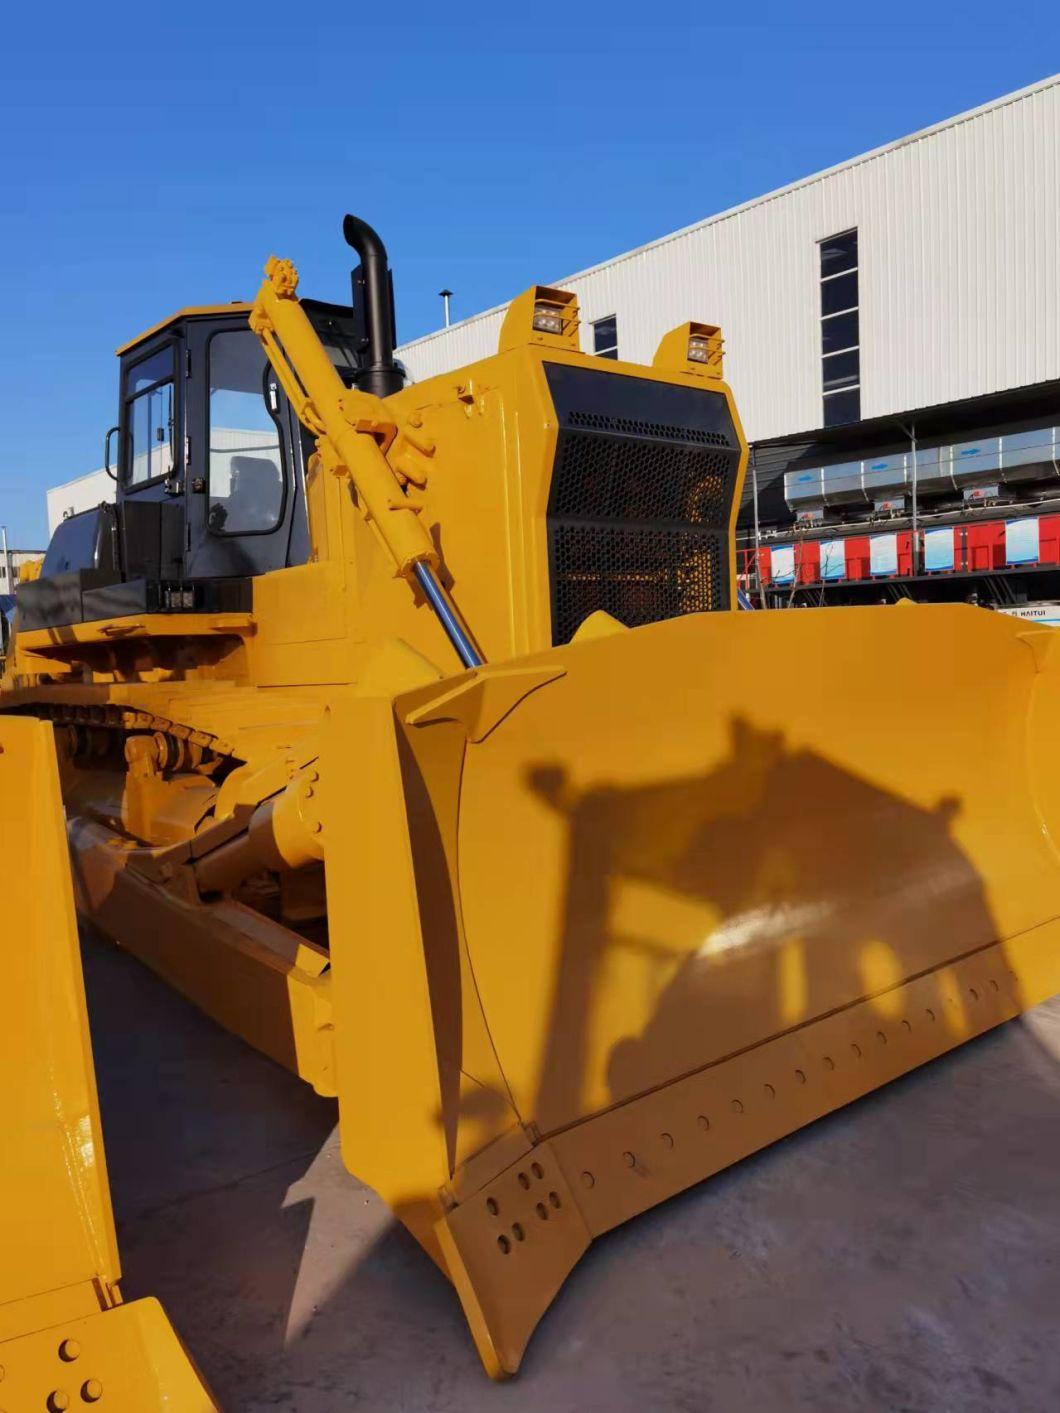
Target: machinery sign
(1021, 541)
(782, 563)
(834, 559)
(938, 548)
(883, 554)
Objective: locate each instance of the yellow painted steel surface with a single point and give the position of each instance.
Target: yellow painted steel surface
(592, 921)
(56, 1228)
(65, 1339)
(647, 911)
(127, 1358)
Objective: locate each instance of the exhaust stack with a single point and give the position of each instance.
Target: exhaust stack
(373, 298)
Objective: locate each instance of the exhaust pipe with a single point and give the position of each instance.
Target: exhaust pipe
(372, 290)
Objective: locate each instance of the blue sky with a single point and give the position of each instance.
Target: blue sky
(153, 156)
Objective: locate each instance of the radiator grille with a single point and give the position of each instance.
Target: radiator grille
(632, 426)
(609, 478)
(636, 574)
(642, 487)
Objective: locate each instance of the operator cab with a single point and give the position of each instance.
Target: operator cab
(210, 451)
(210, 462)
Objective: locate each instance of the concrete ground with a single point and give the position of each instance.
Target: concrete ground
(903, 1254)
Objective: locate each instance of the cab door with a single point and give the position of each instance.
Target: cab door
(150, 461)
(244, 477)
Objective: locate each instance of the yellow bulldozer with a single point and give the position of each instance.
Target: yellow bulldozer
(415, 733)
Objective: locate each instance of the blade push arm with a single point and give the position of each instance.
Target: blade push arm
(352, 430)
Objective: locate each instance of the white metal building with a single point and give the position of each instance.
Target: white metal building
(956, 278)
(82, 493)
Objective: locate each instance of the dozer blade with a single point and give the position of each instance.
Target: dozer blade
(607, 919)
(65, 1339)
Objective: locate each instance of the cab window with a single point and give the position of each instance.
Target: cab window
(246, 478)
(149, 417)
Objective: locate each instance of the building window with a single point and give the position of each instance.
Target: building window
(605, 337)
(840, 334)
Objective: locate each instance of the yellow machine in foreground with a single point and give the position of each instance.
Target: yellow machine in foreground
(66, 1339)
(410, 732)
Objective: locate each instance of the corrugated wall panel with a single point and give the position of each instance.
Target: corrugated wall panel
(958, 275)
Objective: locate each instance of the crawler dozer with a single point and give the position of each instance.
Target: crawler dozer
(413, 731)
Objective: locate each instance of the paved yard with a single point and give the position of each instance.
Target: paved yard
(903, 1254)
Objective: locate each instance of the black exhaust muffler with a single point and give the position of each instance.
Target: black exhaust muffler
(373, 305)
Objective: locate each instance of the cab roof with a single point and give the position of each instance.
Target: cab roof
(235, 306)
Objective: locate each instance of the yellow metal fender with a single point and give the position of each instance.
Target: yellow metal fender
(65, 1338)
(607, 919)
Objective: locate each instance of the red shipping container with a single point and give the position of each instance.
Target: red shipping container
(1049, 539)
(986, 546)
(808, 561)
(858, 557)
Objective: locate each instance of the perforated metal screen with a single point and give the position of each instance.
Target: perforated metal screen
(642, 486)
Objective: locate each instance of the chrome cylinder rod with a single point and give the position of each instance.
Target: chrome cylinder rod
(446, 614)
